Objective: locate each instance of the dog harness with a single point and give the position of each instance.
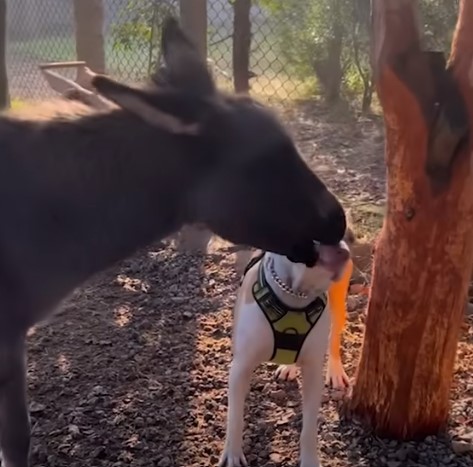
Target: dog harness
(290, 326)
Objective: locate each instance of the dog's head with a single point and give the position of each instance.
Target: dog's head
(329, 266)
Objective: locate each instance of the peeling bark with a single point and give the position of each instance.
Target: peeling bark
(424, 254)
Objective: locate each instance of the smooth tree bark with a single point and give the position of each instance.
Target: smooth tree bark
(241, 45)
(4, 94)
(89, 23)
(424, 253)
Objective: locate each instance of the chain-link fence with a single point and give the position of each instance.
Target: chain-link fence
(44, 31)
(297, 48)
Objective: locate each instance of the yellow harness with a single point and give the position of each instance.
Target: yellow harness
(290, 326)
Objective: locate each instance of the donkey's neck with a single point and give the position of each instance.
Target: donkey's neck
(138, 177)
(78, 196)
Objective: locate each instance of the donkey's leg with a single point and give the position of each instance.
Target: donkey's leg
(14, 417)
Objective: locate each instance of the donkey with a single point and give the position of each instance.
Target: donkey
(84, 190)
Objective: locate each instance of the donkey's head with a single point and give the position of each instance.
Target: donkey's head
(252, 186)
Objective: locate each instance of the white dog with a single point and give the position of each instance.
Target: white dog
(281, 315)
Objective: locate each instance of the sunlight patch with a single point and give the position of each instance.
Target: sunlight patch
(123, 316)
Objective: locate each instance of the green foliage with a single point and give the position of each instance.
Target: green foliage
(306, 35)
(139, 27)
(438, 20)
(310, 27)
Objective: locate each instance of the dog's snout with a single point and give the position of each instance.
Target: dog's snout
(335, 254)
(342, 253)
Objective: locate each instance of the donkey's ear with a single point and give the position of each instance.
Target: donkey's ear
(185, 68)
(165, 109)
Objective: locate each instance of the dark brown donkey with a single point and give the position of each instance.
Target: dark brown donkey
(80, 192)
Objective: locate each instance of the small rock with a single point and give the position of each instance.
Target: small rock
(338, 394)
(275, 457)
(352, 303)
(36, 407)
(73, 429)
(356, 289)
(180, 300)
(467, 436)
(278, 395)
(401, 453)
(165, 462)
(462, 447)
(284, 420)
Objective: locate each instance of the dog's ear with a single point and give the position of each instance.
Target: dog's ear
(167, 109)
(185, 69)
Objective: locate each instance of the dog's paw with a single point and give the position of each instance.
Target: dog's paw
(231, 458)
(336, 376)
(286, 372)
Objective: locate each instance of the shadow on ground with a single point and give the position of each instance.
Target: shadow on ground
(110, 378)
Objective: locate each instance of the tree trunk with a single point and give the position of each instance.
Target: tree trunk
(193, 15)
(329, 70)
(4, 94)
(241, 45)
(425, 251)
(89, 22)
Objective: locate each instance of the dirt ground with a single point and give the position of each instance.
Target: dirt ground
(132, 370)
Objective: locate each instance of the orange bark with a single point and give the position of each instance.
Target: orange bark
(425, 251)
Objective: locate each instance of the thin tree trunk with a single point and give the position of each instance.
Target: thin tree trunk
(89, 23)
(425, 251)
(329, 71)
(241, 45)
(193, 15)
(4, 94)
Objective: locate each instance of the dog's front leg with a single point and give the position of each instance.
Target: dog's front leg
(239, 384)
(312, 387)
